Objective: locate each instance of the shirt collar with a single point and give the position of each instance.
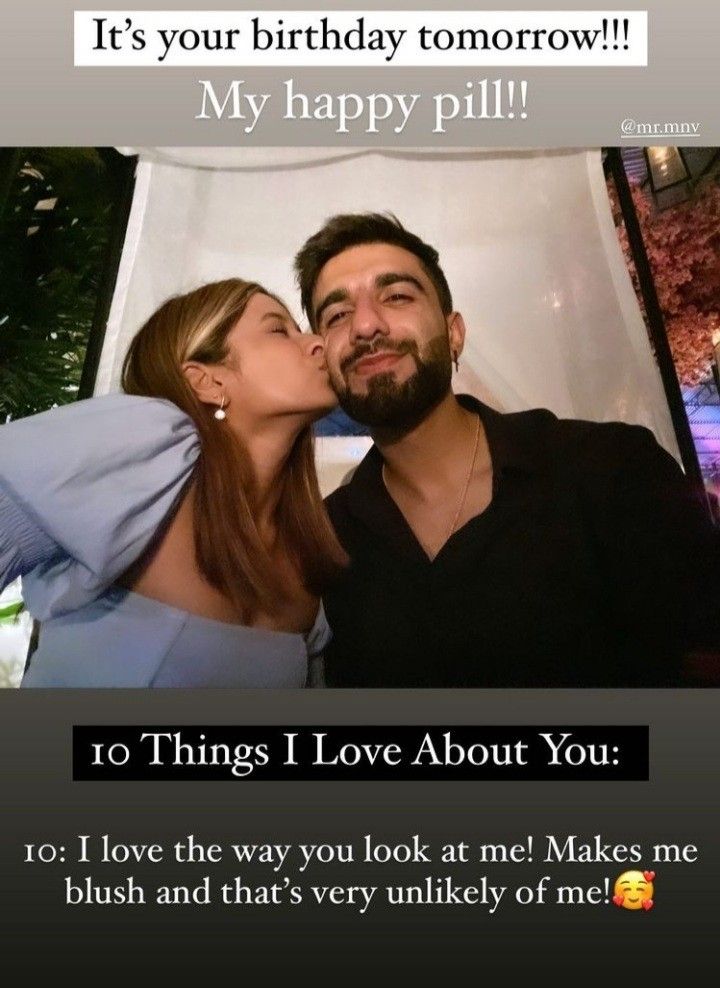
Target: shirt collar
(514, 442)
(514, 447)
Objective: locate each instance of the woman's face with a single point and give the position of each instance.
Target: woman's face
(272, 368)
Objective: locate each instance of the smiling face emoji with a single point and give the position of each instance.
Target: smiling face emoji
(634, 890)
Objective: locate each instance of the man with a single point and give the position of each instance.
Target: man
(486, 549)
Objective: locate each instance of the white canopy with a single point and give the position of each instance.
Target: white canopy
(526, 240)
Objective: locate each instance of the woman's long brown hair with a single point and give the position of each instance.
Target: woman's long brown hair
(229, 550)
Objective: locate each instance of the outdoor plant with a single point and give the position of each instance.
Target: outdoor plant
(683, 247)
(53, 230)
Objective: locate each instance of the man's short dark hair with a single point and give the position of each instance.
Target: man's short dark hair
(352, 229)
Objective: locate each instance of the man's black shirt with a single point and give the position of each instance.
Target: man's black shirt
(594, 565)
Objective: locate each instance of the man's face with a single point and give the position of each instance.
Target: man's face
(386, 337)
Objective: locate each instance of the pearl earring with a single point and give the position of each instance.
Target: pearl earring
(219, 412)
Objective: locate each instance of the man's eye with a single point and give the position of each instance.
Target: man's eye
(399, 297)
(335, 317)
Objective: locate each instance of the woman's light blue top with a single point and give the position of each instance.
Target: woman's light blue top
(83, 491)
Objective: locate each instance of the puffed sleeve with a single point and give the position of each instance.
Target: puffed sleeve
(83, 490)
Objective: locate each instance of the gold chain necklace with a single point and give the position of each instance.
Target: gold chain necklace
(463, 496)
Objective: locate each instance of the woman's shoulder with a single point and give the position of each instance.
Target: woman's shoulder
(320, 634)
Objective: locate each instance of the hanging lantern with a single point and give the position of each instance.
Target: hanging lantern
(666, 168)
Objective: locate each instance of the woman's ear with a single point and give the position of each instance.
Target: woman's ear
(204, 381)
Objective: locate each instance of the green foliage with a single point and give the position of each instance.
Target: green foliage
(11, 613)
(53, 232)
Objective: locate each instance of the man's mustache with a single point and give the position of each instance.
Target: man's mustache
(383, 346)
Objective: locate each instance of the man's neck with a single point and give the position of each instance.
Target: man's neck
(433, 455)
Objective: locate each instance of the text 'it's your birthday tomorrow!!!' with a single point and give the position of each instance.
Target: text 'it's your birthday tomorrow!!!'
(346, 40)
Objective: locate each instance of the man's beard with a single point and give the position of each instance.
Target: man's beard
(400, 406)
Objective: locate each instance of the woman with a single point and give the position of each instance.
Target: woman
(175, 535)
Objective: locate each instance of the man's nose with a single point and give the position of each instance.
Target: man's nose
(366, 321)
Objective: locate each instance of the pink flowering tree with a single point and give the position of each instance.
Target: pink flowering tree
(683, 247)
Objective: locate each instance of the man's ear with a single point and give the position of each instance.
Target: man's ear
(456, 333)
(204, 381)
